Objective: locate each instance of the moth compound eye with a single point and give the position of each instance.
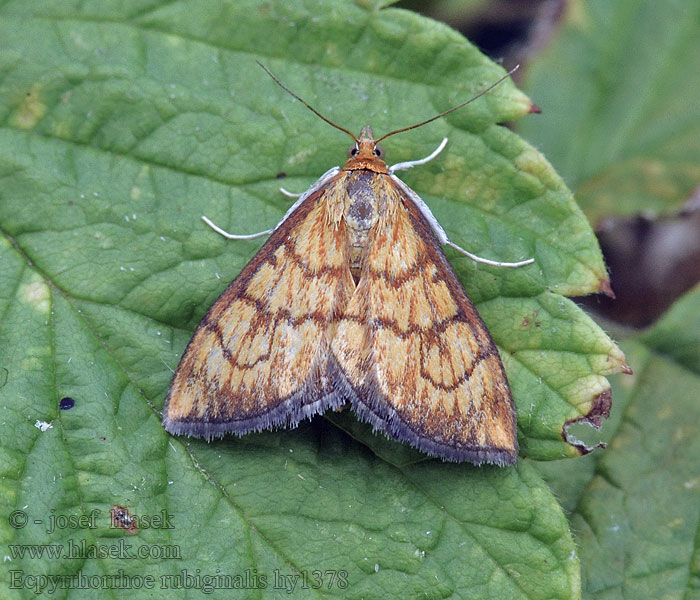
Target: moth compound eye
(353, 150)
(378, 151)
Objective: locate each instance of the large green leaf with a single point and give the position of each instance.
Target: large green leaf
(634, 507)
(619, 86)
(122, 124)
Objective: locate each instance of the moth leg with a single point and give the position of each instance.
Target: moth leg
(325, 178)
(233, 236)
(289, 194)
(486, 261)
(421, 161)
(440, 232)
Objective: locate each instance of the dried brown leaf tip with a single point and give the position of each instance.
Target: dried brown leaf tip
(351, 300)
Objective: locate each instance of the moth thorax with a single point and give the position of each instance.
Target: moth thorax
(362, 208)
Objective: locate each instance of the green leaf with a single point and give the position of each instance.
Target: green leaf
(634, 507)
(618, 87)
(124, 123)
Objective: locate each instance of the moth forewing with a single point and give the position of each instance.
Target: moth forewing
(413, 348)
(258, 358)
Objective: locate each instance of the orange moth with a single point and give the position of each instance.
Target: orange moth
(351, 300)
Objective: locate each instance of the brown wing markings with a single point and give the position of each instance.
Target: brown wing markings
(481, 351)
(280, 375)
(402, 332)
(233, 358)
(261, 317)
(442, 388)
(439, 328)
(444, 340)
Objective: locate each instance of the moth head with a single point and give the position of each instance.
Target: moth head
(365, 146)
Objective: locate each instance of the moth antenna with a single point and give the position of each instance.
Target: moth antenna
(304, 102)
(447, 112)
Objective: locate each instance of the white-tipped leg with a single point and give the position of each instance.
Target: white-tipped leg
(289, 194)
(421, 161)
(486, 261)
(233, 236)
(437, 228)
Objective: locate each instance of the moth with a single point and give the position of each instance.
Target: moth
(351, 300)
